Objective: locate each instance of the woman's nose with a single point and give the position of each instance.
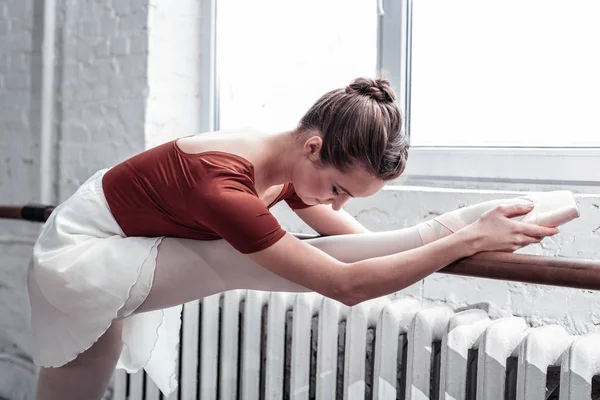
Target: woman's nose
(338, 202)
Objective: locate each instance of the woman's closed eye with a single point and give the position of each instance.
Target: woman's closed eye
(335, 192)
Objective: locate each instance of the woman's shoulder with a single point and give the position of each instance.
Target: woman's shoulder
(231, 151)
(236, 142)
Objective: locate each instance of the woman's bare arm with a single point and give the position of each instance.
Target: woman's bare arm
(352, 283)
(360, 278)
(326, 221)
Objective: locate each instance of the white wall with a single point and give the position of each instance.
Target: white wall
(126, 78)
(19, 182)
(102, 85)
(174, 81)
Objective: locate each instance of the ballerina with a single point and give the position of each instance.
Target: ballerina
(191, 218)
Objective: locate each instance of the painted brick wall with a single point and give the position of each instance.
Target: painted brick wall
(174, 96)
(117, 64)
(19, 182)
(102, 87)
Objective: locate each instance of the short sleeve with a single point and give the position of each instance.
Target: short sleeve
(294, 201)
(233, 211)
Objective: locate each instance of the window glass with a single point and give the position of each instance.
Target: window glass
(505, 73)
(276, 58)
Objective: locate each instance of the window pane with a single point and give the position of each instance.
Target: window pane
(276, 58)
(505, 73)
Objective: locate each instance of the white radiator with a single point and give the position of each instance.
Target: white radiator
(266, 346)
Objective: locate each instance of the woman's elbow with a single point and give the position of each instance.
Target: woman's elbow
(345, 291)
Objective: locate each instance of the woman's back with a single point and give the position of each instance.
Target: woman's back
(166, 191)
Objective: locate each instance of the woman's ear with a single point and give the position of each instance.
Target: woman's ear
(312, 148)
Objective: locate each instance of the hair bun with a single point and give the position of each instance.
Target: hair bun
(377, 89)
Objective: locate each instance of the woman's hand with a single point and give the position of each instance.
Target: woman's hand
(496, 231)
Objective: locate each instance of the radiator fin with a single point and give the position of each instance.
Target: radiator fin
(254, 345)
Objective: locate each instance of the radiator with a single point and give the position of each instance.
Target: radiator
(265, 346)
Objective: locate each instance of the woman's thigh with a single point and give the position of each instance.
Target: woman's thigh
(188, 270)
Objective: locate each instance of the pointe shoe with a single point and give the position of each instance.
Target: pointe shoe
(551, 209)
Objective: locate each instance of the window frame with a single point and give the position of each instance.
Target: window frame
(209, 108)
(537, 168)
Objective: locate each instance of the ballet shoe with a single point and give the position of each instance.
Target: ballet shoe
(551, 209)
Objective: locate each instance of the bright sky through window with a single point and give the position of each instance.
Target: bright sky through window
(276, 58)
(506, 73)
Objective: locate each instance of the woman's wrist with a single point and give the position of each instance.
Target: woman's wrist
(469, 241)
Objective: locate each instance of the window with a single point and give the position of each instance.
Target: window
(498, 93)
(276, 58)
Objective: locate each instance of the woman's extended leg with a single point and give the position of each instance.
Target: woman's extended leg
(188, 269)
(87, 376)
(551, 209)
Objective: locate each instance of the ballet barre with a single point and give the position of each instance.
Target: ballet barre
(29, 212)
(553, 271)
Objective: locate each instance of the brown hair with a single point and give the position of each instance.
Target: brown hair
(360, 124)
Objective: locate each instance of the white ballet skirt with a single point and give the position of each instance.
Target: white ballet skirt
(84, 274)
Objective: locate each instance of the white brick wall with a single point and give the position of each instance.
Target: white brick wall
(19, 182)
(127, 77)
(174, 96)
(102, 86)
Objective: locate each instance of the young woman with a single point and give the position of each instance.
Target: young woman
(114, 263)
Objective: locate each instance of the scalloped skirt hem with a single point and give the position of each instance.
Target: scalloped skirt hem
(84, 274)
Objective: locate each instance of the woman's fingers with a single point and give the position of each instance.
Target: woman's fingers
(499, 232)
(515, 210)
(534, 230)
(530, 240)
(528, 229)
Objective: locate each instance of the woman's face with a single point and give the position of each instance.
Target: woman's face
(327, 185)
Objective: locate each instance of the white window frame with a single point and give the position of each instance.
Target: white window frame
(496, 167)
(209, 108)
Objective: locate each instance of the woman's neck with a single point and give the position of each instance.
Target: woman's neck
(279, 154)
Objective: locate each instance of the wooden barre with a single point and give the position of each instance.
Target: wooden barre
(29, 212)
(554, 271)
(542, 270)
